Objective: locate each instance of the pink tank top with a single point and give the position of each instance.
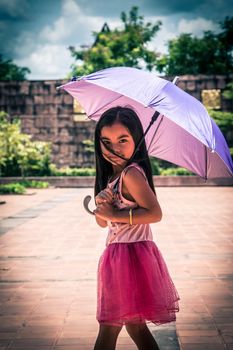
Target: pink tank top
(125, 233)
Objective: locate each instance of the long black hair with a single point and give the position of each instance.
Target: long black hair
(127, 117)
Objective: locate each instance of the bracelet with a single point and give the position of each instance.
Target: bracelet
(131, 216)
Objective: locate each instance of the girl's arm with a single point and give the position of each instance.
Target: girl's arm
(101, 222)
(148, 210)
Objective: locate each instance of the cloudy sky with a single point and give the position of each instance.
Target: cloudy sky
(37, 33)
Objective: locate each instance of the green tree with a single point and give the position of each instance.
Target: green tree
(228, 93)
(119, 47)
(10, 71)
(210, 54)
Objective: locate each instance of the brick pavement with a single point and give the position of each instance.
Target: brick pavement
(49, 249)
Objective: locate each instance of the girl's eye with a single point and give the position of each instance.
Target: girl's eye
(106, 142)
(123, 140)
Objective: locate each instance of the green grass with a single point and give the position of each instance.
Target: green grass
(20, 187)
(175, 171)
(14, 188)
(34, 184)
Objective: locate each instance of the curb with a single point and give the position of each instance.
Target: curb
(159, 181)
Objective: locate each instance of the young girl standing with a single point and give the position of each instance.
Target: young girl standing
(134, 286)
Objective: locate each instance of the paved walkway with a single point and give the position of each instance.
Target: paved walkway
(49, 249)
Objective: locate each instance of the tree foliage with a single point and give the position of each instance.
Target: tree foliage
(119, 47)
(10, 71)
(210, 54)
(228, 93)
(225, 122)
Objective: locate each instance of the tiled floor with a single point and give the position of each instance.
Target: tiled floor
(49, 250)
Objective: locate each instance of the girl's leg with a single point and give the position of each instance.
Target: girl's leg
(142, 336)
(107, 337)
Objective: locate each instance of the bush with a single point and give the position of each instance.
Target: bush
(66, 171)
(228, 93)
(34, 184)
(231, 152)
(224, 120)
(15, 188)
(20, 187)
(175, 171)
(19, 156)
(154, 166)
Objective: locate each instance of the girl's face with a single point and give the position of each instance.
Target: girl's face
(118, 138)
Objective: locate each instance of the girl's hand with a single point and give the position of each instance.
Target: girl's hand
(104, 196)
(105, 211)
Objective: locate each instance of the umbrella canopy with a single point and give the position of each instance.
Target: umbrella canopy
(183, 134)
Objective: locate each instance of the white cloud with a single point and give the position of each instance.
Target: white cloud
(196, 26)
(46, 53)
(71, 8)
(55, 33)
(167, 31)
(25, 44)
(47, 61)
(73, 25)
(173, 26)
(65, 25)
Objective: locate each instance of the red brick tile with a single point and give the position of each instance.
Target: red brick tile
(198, 332)
(200, 339)
(49, 267)
(212, 346)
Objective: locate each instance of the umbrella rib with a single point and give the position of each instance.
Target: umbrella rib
(229, 169)
(103, 106)
(152, 139)
(206, 155)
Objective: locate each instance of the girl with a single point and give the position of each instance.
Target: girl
(134, 286)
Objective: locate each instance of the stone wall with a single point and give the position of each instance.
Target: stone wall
(48, 114)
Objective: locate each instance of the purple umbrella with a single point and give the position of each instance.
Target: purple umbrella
(182, 133)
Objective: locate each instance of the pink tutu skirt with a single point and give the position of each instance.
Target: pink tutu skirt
(134, 285)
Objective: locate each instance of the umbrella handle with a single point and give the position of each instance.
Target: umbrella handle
(86, 202)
